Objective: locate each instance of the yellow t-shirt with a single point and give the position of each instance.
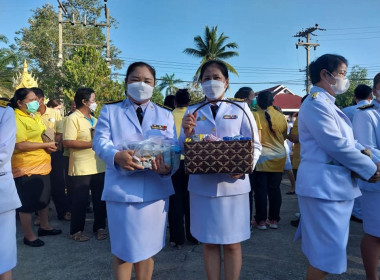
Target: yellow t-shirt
(82, 161)
(29, 128)
(52, 119)
(273, 154)
(257, 119)
(296, 148)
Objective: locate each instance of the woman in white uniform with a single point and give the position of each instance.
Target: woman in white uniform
(137, 202)
(9, 199)
(219, 203)
(325, 186)
(366, 125)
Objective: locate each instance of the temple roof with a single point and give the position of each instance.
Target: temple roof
(24, 79)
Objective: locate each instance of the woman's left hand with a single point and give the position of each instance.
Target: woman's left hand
(236, 176)
(159, 166)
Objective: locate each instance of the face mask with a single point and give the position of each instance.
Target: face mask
(32, 107)
(213, 89)
(93, 107)
(253, 102)
(341, 85)
(140, 91)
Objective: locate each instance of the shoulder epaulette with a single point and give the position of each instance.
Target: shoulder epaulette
(366, 106)
(236, 99)
(113, 102)
(164, 106)
(4, 103)
(314, 95)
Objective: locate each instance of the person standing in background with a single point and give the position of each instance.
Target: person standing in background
(9, 199)
(52, 119)
(179, 205)
(31, 166)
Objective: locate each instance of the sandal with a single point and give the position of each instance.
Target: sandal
(101, 234)
(79, 236)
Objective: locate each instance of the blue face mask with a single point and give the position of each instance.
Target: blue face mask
(253, 102)
(32, 107)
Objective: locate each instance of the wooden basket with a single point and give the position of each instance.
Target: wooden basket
(232, 157)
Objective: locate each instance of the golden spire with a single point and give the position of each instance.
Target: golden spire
(24, 80)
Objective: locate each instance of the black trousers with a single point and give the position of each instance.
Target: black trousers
(266, 186)
(67, 182)
(179, 208)
(80, 186)
(57, 179)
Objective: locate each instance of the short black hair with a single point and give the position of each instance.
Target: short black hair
(80, 94)
(169, 101)
(134, 65)
(182, 97)
(376, 80)
(243, 92)
(362, 92)
(19, 95)
(39, 92)
(265, 99)
(219, 64)
(330, 62)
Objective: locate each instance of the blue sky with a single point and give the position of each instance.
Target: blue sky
(158, 31)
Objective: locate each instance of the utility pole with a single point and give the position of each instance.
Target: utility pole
(306, 34)
(84, 23)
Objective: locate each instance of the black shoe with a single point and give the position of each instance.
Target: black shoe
(44, 232)
(35, 243)
(295, 223)
(353, 218)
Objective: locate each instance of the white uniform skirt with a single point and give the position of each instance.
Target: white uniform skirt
(324, 228)
(8, 248)
(220, 220)
(137, 230)
(371, 212)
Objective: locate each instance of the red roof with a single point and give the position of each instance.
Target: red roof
(287, 101)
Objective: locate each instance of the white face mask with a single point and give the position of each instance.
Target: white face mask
(341, 85)
(140, 91)
(93, 107)
(213, 89)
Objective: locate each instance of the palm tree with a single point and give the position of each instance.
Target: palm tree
(169, 82)
(212, 46)
(8, 57)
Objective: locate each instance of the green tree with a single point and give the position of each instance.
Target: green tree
(196, 93)
(87, 68)
(157, 96)
(168, 82)
(357, 76)
(9, 62)
(212, 46)
(39, 41)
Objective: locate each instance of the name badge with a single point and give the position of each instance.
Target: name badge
(160, 127)
(201, 118)
(230, 117)
(51, 120)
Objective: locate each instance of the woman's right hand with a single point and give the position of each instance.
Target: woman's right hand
(50, 147)
(188, 123)
(125, 160)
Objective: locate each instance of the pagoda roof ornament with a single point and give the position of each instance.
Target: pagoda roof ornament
(24, 79)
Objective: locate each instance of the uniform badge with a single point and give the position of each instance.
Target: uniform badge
(314, 95)
(160, 127)
(213, 129)
(230, 117)
(201, 118)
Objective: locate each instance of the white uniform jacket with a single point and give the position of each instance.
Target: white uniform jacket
(117, 124)
(229, 121)
(366, 125)
(351, 110)
(9, 199)
(328, 151)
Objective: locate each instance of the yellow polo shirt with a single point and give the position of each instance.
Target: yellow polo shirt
(82, 161)
(273, 154)
(257, 119)
(52, 119)
(296, 148)
(29, 128)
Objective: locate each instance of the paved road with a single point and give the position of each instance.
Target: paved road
(267, 255)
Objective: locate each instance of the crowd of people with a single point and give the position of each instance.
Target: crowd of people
(331, 156)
